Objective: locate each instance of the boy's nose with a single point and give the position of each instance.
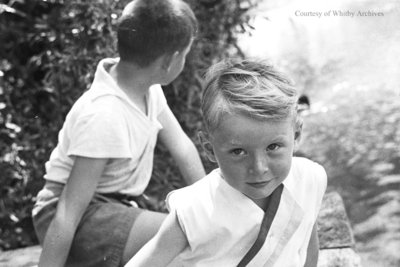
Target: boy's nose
(259, 166)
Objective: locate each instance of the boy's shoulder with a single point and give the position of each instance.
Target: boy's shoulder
(93, 110)
(95, 102)
(306, 176)
(198, 191)
(204, 183)
(305, 165)
(308, 184)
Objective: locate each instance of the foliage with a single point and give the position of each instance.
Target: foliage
(356, 138)
(49, 51)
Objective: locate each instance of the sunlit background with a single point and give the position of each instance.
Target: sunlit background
(349, 67)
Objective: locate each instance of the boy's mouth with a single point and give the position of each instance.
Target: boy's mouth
(258, 184)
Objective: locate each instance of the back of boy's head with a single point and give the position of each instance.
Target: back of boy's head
(249, 87)
(149, 29)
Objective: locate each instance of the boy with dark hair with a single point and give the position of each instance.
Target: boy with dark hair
(104, 156)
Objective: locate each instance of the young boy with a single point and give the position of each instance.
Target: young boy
(259, 208)
(104, 156)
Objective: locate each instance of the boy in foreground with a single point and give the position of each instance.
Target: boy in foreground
(259, 208)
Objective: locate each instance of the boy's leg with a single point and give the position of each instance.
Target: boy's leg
(144, 228)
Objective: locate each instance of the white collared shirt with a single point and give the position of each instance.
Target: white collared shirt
(105, 123)
(221, 224)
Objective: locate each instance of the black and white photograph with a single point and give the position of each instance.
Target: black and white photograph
(200, 133)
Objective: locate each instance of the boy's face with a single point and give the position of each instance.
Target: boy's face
(254, 156)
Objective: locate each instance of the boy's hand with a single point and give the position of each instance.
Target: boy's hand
(150, 203)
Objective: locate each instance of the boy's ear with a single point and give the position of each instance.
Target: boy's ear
(207, 146)
(297, 134)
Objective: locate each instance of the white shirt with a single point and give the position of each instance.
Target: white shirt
(104, 123)
(221, 224)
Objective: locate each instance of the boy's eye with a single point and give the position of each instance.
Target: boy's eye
(273, 147)
(237, 152)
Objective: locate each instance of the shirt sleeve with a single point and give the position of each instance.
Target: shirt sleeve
(175, 203)
(180, 202)
(102, 133)
(321, 181)
(318, 183)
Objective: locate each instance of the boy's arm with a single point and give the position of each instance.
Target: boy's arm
(313, 249)
(181, 147)
(163, 247)
(73, 201)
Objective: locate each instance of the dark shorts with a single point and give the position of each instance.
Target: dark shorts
(101, 235)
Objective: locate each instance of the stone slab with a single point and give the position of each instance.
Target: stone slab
(23, 257)
(340, 257)
(334, 229)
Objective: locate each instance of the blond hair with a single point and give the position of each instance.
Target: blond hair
(250, 87)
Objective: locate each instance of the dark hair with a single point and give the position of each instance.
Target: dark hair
(149, 29)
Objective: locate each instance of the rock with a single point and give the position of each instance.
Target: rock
(336, 240)
(23, 257)
(341, 257)
(335, 235)
(334, 229)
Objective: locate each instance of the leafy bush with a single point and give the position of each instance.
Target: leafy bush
(358, 144)
(49, 51)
